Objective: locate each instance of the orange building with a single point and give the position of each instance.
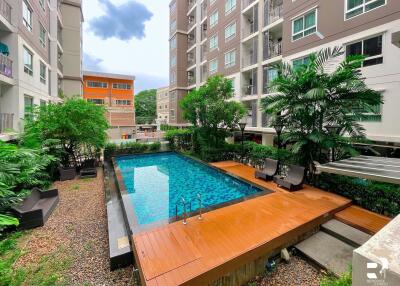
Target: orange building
(115, 92)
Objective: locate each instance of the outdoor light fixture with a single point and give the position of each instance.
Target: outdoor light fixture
(242, 126)
(333, 129)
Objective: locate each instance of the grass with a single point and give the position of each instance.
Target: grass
(49, 270)
(344, 280)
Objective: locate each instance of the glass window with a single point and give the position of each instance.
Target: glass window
(304, 25)
(358, 7)
(42, 36)
(230, 31)
(97, 84)
(173, 7)
(172, 77)
(125, 86)
(27, 15)
(28, 105)
(28, 67)
(213, 66)
(371, 48)
(172, 26)
(300, 62)
(230, 59)
(96, 100)
(173, 43)
(272, 74)
(213, 42)
(123, 102)
(43, 69)
(173, 61)
(214, 19)
(230, 5)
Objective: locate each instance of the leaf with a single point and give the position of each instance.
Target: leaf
(6, 220)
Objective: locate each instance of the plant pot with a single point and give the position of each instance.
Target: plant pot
(67, 173)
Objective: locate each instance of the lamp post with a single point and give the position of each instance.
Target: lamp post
(242, 126)
(278, 126)
(333, 130)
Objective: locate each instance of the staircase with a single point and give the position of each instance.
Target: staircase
(332, 247)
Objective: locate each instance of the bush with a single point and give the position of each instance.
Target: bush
(166, 127)
(112, 149)
(212, 154)
(378, 197)
(255, 154)
(179, 139)
(344, 280)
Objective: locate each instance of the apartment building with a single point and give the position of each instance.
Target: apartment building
(242, 39)
(32, 56)
(163, 105)
(115, 92)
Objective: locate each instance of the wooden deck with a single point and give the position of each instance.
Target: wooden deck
(228, 238)
(362, 219)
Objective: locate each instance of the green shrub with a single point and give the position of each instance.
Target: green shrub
(166, 127)
(344, 280)
(255, 154)
(179, 139)
(212, 154)
(112, 149)
(378, 197)
(156, 146)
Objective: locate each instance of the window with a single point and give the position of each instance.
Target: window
(28, 105)
(27, 15)
(122, 102)
(230, 5)
(173, 7)
(41, 3)
(42, 36)
(272, 74)
(230, 59)
(301, 62)
(213, 66)
(172, 26)
(125, 86)
(172, 78)
(173, 43)
(213, 42)
(304, 25)
(172, 113)
(96, 100)
(43, 102)
(214, 19)
(43, 69)
(358, 7)
(173, 61)
(373, 114)
(230, 31)
(371, 48)
(97, 84)
(28, 67)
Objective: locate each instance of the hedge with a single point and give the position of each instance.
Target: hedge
(112, 149)
(179, 139)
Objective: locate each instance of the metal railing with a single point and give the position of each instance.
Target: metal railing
(249, 29)
(191, 3)
(5, 10)
(191, 42)
(191, 59)
(249, 90)
(60, 66)
(274, 49)
(274, 14)
(191, 22)
(246, 3)
(250, 59)
(191, 80)
(6, 121)
(6, 66)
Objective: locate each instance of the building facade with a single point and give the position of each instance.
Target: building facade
(163, 105)
(32, 56)
(242, 39)
(115, 92)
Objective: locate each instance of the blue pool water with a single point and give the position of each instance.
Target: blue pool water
(157, 182)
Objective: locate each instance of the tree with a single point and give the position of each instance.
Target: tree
(211, 112)
(71, 128)
(145, 106)
(308, 98)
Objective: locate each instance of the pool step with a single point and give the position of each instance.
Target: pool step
(120, 250)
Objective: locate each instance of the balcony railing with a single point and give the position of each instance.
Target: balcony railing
(250, 59)
(274, 49)
(6, 66)
(274, 14)
(5, 10)
(203, 10)
(191, 59)
(191, 80)
(6, 121)
(60, 66)
(249, 90)
(191, 22)
(246, 3)
(191, 3)
(203, 52)
(250, 29)
(191, 42)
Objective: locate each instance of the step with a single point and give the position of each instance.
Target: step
(345, 233)
(328, 252)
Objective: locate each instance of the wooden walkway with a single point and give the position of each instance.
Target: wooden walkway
(227, 238)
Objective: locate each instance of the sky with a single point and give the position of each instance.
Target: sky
(128, 37)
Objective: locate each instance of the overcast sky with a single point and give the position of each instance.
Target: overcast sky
(128, 37)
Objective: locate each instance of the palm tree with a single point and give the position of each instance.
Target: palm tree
(308, 98)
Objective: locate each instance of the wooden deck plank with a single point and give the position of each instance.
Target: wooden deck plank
(362, 219)
(233, 235)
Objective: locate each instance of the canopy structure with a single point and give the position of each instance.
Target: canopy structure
(372, 168)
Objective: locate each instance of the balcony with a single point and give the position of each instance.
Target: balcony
(6, 66)
(60, 66)
(191, 76)
(251, 115)
(203, 10)
(246, 3)
(250, 22)
(274, 49)
(5, 10)
(275, 14)
(191, 22)
(191, 4)
(269, 74)
(203, 32)
(191, 39)
(203, 52)
(191, 58)
(204, 73)
(6, 122)
(273, 11)
(250, 53)
(249, 82)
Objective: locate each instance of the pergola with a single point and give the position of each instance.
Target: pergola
(367, 167)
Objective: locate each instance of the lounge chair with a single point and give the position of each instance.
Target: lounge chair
(270, 169)
(88, 169)
(36, 208)
(67, 173)
(294, 179)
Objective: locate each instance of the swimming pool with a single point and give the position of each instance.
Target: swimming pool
(156, 183)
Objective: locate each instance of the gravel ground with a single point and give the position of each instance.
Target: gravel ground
(297, 272)
(78, 226)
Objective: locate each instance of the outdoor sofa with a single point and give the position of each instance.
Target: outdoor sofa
(36, 208)
(270, 169)
(294, 179)
(88, 169)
